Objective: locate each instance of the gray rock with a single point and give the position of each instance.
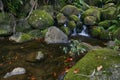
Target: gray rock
(55, 35)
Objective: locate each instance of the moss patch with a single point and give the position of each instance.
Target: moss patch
(93, 59)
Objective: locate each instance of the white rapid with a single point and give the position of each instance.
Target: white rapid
(83, 32)
(74, 32)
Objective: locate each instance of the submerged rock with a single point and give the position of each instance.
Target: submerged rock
(16, 71)
(55, 35)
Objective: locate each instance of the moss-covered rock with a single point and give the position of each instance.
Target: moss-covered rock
(40, 19)
(69, 10)
(104, 58)
(108, 13)
(74, 18)
(106, 24)
(61, 18)
(92, 12)
(71, 25)
(90, 20)
(99, 32)
(21, 37)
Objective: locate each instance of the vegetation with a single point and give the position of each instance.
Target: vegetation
(75, 48)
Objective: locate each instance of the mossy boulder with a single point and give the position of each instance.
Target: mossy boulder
(99, 32)
(92, 12)
(106, 24)
(40, 19)
(74, 18)
(90, 20)
(21, 37)
(108, 13)
(70, 9)
(61, 18)
(71, 25)
(103, 61)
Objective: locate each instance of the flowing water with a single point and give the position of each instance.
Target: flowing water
(84, 31)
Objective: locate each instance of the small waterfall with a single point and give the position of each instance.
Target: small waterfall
(74, 32)
(83, 32)
(65, 24)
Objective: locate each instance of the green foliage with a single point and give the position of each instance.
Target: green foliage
(13, 6)
(117, 44)
(75, 47)
(81, 4)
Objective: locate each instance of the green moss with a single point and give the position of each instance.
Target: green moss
(92, 12)
(106, 24)
(25, 37)
(92, 60)
(2, 31)
(109, 13)
(61, 18)
(66, 30)
(71, 25)
(40, 19)
(74, 18)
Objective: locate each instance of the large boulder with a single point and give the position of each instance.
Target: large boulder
(20, 37)
(55, 35)
(40, 19)
(69, 10)
(99, 64)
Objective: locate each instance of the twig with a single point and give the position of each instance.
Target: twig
(33, 6)
(89, 76)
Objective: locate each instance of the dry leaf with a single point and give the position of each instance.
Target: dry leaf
(76, 71)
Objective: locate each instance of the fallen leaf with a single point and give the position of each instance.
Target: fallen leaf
(99, 68)
(76, 71)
